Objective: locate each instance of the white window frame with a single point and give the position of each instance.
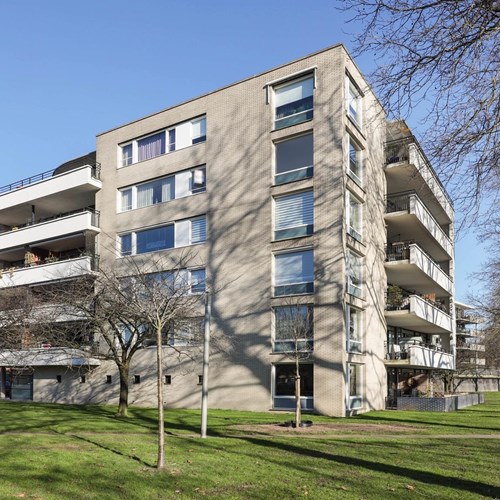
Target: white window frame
(310, 317)
(293, 230)
(356, 401)
(204, 217)
(203, 125)
(355, 346)
(287, 83)
(307, 402)
(166, 132)
(356, 262)
(359, 161)
(351, 199)
(296, 174)
(308, 289)
(353, 94)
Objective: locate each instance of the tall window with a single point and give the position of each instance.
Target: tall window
(293, 102)
(355, 168)
(294, 215)
(199, 130)
(151, 146)
(355, 384)
(125, 199)
(127, 158)
(294, 159)
(284, 386)
(198, 230)
(293, 273)
(354, 329)
(126, 245)
(293, 328)
(353, 102)
(354, 211)
(354, 268)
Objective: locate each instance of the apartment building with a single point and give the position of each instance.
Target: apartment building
(282, 191)
(470, 340)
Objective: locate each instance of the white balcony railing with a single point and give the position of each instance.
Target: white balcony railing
(418, 356)
(47, 272)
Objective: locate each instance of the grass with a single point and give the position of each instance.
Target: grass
(63, 451)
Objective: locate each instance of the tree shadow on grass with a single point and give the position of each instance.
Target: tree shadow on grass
(430, 478)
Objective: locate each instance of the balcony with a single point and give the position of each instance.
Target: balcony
(67, 190)
(469, 346)
(49, 228)
(417, 312)
(408, 266)
(48, 270)
(420, 356)
(410, 219)
(407, 167)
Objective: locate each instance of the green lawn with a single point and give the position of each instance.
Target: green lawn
(66, 452)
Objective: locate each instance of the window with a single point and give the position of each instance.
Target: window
(353, 102)
(294, 215)
(83, 379)
(293, 328)
(355, 169)
(294, 159)
(200, 379)
(354, 211)
(354, 269)
(125, 244)
(59, 378)
(355, 386)
(153, 240)
(198, 230)
(168, 379)
(293, 273)
(198, 180)
(174, 235)
(354, 329)
(199, 130)
(293, 102)
(109, 379)
(164, 189)
(127, 155)
(137, 379)
(151, 146)
(197, 280)
(284, 386)
(172, 139)
(186, 332)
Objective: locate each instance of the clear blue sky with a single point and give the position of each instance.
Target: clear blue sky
(69, 70)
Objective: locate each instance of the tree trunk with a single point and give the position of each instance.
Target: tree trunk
(159, 385)
(298, 413)
(123, 370)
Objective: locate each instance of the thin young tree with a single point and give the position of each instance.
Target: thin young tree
(293, 336)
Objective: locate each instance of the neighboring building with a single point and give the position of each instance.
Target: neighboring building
(470, 340)
(283, 189)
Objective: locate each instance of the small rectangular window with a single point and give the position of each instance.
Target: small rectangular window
(59, 379)
(198, 180)
(200, 379)
(127, 157)
(137, 379)
(153, 240)
(354, 329)
(354, 269)
(197, 280)
(293, 102)
(151, 146)
(294, 159)
(83, 379)
(168, 379)
(293, 273)
(198, 230)
(125, 244)
(354, 216)
(199, 130)
(294, 215)
(109, 379)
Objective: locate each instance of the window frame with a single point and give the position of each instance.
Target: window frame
(354, 289)
(309, 112)
(357, 177)
(307, 341)
(351, 201)
(294, 230)
(355, 401)
(288, 401)
(294, 174)
(299, 288)
(354, 346)
(353, 94)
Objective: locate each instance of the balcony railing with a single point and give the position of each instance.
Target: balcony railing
(94, 220)
(34, 179)
(401, 151)
(398, 299)
(9, 268)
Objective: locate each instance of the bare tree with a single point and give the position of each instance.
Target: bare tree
(442, 57)
(293, 336)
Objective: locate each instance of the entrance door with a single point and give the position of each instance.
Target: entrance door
(22, 386)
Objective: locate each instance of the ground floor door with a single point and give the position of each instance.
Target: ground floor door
(18, 385)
